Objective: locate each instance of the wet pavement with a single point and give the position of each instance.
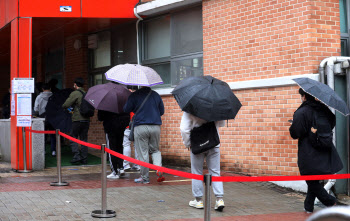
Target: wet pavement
(30, 197)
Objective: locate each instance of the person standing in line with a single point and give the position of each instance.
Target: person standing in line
(6, 103)
(147, 123)
(127, 149)
(80, 124)
(114, 126)
(312, 161)
(212, 156)
(53, 85)
(40, 110)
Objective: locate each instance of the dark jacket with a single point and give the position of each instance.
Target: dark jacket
(74, 100)
(6, 103)
(112, 121)
(150, 112)
(310, 160)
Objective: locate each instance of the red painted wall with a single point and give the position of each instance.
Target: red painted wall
(8, 11)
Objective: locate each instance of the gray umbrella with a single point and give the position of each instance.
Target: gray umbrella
(323, 93)
(207, 98)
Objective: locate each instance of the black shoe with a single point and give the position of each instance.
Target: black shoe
(75, 161)
(83, 162)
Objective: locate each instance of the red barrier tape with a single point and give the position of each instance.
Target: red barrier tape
(80, 142)
(41, 131)
(278, 178)
(154, 167)
(201, 177)
(229, 178)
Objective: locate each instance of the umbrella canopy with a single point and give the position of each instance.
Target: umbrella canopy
(108, 97)
(134, 74)
(55, 114)
(323, 93)
(207, 98)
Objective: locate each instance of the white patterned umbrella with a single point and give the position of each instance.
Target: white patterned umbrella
(134, 74)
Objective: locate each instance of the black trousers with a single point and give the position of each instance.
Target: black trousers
(79, 131)
(115, 142)
(315, 189)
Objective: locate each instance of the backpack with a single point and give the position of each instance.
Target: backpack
(322, 140)
(86, 109)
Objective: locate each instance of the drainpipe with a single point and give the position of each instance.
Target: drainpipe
(330, 82)
(137, 32)
(348, 123)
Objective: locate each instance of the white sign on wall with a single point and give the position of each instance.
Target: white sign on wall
(23, 85)
(24, 104)
(24, 121)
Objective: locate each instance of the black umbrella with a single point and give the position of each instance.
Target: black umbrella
(55, 115)
(207, 98)
(323, 93)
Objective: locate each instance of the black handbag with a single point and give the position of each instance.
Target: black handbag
(204, 138)
(131, 124)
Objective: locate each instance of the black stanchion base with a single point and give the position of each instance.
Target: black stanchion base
(24, 171)
(59, 184)
(99, 214)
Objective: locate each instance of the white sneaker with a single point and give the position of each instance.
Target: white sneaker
(121, 172)
(53, 153)
(219, 205)
(127, 167)
(136, 167)
(196, 204)
(113, 176)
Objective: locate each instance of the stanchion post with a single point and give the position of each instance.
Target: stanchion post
(103, 213)
(207, 181)
(58, 158)
(24, 153)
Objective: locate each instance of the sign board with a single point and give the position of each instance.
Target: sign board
(23, 85)
(65, 8)
(24, 121)
(24, 104)
(13, 105)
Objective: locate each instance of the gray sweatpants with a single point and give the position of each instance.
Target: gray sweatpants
(147, 142)
(213, 162)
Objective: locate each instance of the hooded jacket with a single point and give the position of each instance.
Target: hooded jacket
(310, 160)
(41, 102)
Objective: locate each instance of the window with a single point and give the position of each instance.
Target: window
(344, 29)
(173, 45)
(102, 52)
(113, 47)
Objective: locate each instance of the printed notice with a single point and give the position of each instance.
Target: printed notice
(24, 121)
(24, 104)
(23, 85)
(13, 105)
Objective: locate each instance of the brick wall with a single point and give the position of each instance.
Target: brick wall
(249, 40)
(246, 40)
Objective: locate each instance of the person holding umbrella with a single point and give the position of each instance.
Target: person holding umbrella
(316, 155)
(109, 99)
(148, 108)
(147, 121)
(205, 99)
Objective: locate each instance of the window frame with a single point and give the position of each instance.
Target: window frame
(168, 59)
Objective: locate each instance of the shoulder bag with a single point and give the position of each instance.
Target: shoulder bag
(204, 138)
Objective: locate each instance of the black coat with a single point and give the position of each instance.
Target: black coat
(113, 122)
(310, 160)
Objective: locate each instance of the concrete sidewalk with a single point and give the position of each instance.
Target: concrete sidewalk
(30, 197)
